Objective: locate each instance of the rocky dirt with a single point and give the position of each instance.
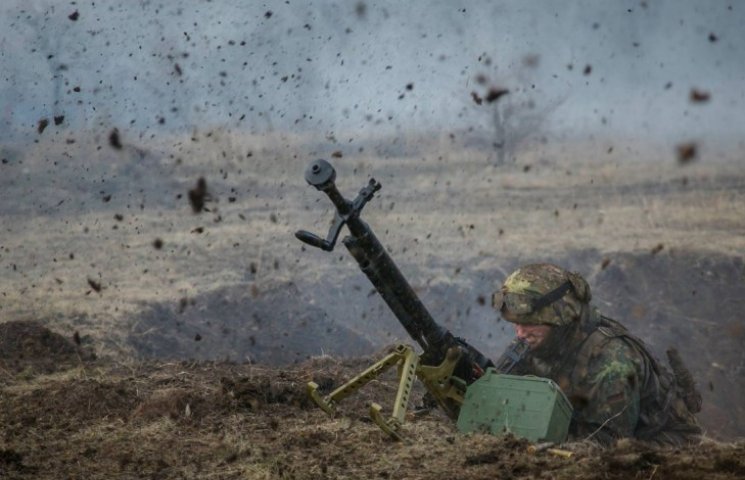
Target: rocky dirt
(94, 419)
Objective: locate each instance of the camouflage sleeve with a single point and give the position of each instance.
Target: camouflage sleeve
(612, 383)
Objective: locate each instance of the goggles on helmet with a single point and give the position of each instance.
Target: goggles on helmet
(524, 304)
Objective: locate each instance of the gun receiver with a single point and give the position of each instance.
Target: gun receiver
(385, 275)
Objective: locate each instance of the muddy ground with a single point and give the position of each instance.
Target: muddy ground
(92, 419)
(143, 337)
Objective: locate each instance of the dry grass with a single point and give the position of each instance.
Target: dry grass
(272, 438)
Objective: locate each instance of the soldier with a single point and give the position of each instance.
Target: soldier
(617, 388)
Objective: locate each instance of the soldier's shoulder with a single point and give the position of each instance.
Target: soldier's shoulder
(602, 348)
(613, 360)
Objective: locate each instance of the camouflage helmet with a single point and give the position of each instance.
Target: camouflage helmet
(542, 294)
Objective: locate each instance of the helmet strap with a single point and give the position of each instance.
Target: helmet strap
(552, 296)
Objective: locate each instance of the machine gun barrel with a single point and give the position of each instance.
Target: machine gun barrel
(390, 283)
(384, 273)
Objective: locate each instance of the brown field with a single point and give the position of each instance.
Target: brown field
(206, 326)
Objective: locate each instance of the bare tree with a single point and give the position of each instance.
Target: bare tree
(517, 118)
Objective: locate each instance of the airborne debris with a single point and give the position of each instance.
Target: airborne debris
(43, 123)
(96, 286)
(495, 93)
(360, 9)
(114, 139)
(699, 96)
(686, 153)
(198, 195)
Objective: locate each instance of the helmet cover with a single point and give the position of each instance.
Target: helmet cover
(542, 294)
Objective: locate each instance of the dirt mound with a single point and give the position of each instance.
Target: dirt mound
(29, 345)
(227, 421)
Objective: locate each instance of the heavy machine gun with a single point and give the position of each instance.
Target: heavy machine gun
(447, 363)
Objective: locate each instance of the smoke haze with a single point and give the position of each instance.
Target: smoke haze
(572, 69)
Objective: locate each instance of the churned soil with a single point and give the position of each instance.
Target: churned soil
(66, 415)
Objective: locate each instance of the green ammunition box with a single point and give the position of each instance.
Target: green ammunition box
(529, 407)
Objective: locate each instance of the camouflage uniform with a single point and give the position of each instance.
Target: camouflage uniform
(617, 388)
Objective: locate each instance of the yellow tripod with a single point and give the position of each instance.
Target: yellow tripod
(447, 390)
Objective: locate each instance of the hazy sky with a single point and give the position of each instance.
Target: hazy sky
(625, 67)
